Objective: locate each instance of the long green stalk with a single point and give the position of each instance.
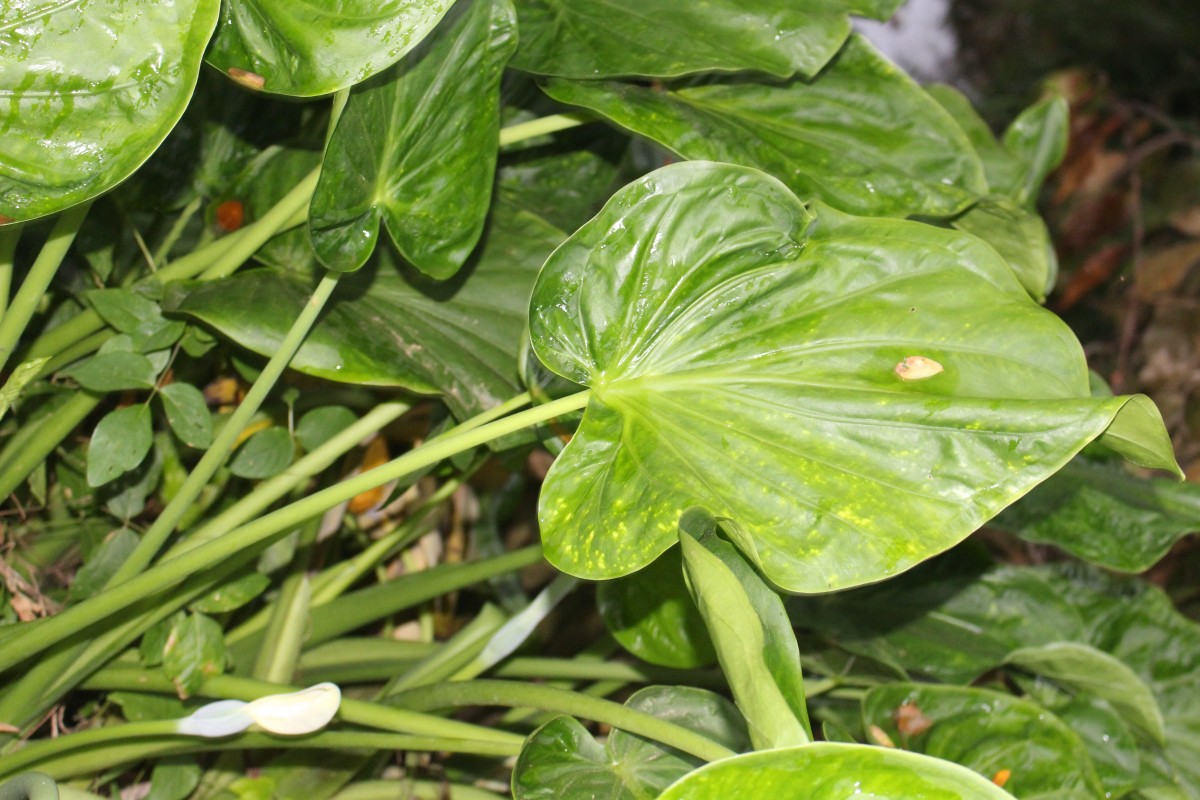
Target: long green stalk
(31, 445)
(25, 303)
(164, 525)
(529, 695)
(9, 236)
(36, 637)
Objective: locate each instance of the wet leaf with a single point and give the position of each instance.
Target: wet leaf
(562, 760)
(312, 49)
(1020, 236)
(741, 354)
(988, 732)
(862, 136)
(580, 39)
(826, 769)
(90, 90)
(652, 615)
(415, 148)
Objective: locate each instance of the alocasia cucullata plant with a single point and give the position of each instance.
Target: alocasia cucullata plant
(809, 357)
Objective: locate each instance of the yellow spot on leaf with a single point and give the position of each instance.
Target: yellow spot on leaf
(1001, 777)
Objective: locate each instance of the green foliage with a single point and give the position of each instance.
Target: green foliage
(812, 354)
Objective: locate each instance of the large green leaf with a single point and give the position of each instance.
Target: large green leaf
(561, 760)
(309, 49)
(827, 770)
(387, 325)
(988, 732)
(1101, 512)
(951, 622)
(752, 360)
(88, 91)
(1081, 667)
(665, 38)
(752, 635)
(416, 147)
(861, 136)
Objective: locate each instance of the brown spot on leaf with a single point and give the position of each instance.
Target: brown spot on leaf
(251, 80)
(917, 368)
(879, 736)
(230, 215)
(910, 721)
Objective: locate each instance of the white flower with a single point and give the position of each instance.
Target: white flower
(289, 714)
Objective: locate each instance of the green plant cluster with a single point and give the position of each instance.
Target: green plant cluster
(774, 309)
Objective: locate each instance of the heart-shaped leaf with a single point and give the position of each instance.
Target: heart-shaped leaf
(851, 395)
(987, 731)
(89, 91)
(390, 326)
(562, 760)
(309, 49)
(585, 39)
(861, 136)
(826, 769)
(416, 147)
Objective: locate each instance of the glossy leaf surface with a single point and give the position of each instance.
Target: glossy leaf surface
(415, 147)
(88, 92)
(988, 732)
(752, 636)
(389, 326)
(743, 359)
(1081, 667)
(588, 40)
(1020, 237)
(1100, 512)
(308, 49)
(828, 770)
(862, 136)
(562, 760)
(652, 615)
(953, 622)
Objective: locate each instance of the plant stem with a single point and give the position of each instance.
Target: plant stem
(540, 127)
(528, 695)
(94, 749)
(31, 445)
(154, 538)
(17, 317)
(9, 236)
(357, 712)
(49, 631)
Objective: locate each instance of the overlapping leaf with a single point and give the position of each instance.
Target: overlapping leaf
(415, 147)
(308, 49)
(861, 136)
(743, 359)
(825, 769)
(88, 91)
(389, 326)
(1100, 512)
(952, 622)
(562, 760)
(587, 39)
(988, 732)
